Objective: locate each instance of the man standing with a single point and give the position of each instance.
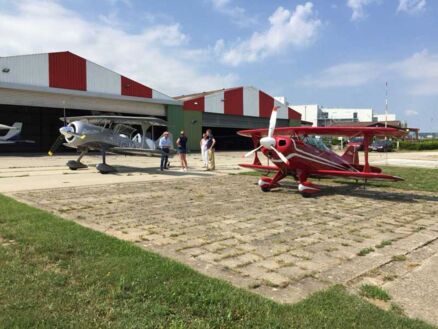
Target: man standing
(164, 144)
(211, 142)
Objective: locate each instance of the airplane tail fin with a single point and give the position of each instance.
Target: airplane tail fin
(351, 155)
(14, 132)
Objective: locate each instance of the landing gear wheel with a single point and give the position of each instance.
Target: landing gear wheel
(265, 188)
(74, 165)
(103, 168)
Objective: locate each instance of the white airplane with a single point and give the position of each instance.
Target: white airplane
(13, 135)
(113, 134)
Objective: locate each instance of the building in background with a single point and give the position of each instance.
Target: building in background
(384, 117)
(323, 116)
(35, 89)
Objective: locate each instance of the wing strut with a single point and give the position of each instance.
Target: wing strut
(256, 142)
(366, 143)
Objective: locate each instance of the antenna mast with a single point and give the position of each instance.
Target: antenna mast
(386, 104)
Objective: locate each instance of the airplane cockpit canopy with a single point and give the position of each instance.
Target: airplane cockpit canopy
(121, 129)
(315, 142)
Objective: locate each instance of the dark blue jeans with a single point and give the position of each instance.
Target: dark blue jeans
(164, 158)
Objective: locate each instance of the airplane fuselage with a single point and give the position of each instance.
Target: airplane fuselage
(97, 135)
(305, 157)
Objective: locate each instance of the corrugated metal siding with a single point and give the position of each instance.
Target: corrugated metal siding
(238, 122)
(132, 88)
(282, 110)
(102, 80)
(196, 104)
(67, 71)
(250, 102)
(27, 70)
(266, 104)
(233, 101)
(158, 95)
(214, 103)
(294, 115)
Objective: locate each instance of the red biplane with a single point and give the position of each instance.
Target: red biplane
(294, 152)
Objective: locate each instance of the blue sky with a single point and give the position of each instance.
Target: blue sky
(334, 53)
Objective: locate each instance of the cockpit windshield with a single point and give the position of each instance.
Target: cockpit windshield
(315, 142)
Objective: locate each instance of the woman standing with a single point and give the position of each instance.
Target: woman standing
(204, 153)
(181, 143)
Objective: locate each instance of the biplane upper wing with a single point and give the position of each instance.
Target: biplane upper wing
(105, 119)
(330, 131)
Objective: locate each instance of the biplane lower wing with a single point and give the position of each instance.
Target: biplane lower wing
(363, 175)
(258, 167)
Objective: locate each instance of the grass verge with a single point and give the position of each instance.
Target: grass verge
(372, 291)
(55, 273)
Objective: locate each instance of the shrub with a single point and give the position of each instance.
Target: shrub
(427, 144)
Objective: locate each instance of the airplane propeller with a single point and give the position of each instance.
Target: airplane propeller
(56, 145)
(66, 131)
(269, 141)
(253, 151)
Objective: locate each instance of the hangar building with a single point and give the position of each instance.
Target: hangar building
(35, 89)
(228, 110)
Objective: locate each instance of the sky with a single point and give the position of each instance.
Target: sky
(335, 53)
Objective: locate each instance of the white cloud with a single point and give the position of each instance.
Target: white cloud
(237, 14)
(422, 69)
(158, 56)
(345, 75)
(357, 6)
(411, 6)
(419, 71)
(411, 113)
(298, 28)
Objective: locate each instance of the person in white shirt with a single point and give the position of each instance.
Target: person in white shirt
(204, 151)
(165, 143)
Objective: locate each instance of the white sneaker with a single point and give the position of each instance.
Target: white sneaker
(182, 169)
(185, 169)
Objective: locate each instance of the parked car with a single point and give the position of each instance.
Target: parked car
(357, 142)
(382, 145)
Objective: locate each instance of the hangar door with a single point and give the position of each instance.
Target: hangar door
(225, 129)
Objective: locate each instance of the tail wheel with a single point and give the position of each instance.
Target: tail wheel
(265, 188)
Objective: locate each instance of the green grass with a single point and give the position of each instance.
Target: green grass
(384, 243)
(372, 291)
(55, 273)
(414, 178)
(398, 258)
(365, 251)
(421, 179)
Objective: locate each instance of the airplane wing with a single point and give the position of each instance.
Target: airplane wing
(258, 167)
(5, 127)
(331, 131)
(364, 175)
(105, 119)
(139, 151)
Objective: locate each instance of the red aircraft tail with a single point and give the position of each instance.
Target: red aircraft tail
(351, 155)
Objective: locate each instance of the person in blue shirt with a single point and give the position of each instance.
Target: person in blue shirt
(181, 143)
(164, 144)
